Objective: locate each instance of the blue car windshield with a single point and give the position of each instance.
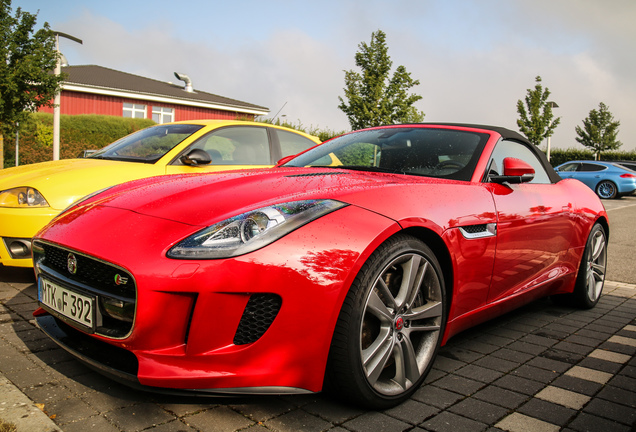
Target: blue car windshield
(431, 152)
(148, 145)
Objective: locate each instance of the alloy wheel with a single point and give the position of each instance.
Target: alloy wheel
(606, 190)
(401, 324)
(595, 265)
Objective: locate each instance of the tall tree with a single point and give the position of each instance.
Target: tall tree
(599, 131)
(372, 97)
(535, 117)
(26, 79)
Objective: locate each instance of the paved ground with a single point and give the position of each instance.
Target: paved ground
(540, 368)
(622, 245)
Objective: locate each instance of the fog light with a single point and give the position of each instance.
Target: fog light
(18, 247)
(118, 309)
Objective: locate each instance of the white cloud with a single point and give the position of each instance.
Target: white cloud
(474, 59)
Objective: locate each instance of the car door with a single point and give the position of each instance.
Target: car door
(590, 174)
(533, 225)
(229, 148)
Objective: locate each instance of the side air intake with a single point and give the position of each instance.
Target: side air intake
(259, 314)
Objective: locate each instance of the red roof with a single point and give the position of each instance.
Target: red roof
(99, 78)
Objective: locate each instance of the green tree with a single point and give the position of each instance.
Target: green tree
(599, 131)
(372, 97)
(535, 117)
(26, 81)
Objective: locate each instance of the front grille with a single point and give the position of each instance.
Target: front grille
(113, 287)
(259, 313)
(90, 271)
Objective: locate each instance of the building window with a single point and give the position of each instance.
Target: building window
(162, 115)
(134, 110)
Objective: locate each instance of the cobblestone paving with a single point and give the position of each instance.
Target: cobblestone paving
(540, 368)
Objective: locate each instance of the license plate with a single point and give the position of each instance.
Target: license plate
(77, 307)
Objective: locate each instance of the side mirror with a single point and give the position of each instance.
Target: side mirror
(196, 157)
(515, 171)
(86, 153)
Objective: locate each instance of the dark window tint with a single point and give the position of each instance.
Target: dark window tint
(591, 167)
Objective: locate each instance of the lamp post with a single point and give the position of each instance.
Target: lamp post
(17, 144)
(56, 101)
(552, 105)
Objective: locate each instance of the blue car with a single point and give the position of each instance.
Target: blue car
(607, 179)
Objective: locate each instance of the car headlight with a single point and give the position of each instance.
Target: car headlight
(250, 231)
(22, 197)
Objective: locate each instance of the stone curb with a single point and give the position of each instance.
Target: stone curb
(18, 409)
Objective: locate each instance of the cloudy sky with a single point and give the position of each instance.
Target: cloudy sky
(473, 58)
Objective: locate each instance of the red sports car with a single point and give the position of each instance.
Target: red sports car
(346, 266)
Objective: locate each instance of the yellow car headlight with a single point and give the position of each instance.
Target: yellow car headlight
(22, 197)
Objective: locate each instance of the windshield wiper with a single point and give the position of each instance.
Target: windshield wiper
(370, 169)
(350, 167)
(124, 159)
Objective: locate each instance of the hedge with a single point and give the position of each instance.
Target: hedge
(321, 134)
(77, 133)
(559, 156)
(92, 132)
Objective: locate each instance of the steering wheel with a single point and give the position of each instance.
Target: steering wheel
(448, 164)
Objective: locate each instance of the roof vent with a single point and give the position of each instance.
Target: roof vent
(186, 79)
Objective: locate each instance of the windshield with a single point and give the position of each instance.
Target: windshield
(148, 145)
(431, 152)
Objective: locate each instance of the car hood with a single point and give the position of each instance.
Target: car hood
(202, 200)
(65, 181)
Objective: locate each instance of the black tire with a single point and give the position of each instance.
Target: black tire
(606, 190)
(591, 277)
(390, 326)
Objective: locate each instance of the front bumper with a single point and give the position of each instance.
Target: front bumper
(189, 315)
(20, 225)
(122, 366)
(110, 360)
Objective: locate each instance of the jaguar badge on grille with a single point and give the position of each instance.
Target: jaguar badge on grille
(120, 280)
(71, 263)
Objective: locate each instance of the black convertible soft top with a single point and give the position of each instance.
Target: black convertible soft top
(505, 133)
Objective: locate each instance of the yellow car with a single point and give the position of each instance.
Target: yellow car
(32, 195)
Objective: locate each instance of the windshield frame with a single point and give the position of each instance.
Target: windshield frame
(424, 138)
(110, 152)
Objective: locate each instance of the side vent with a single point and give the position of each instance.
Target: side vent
(259, 314)
(479, 231)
